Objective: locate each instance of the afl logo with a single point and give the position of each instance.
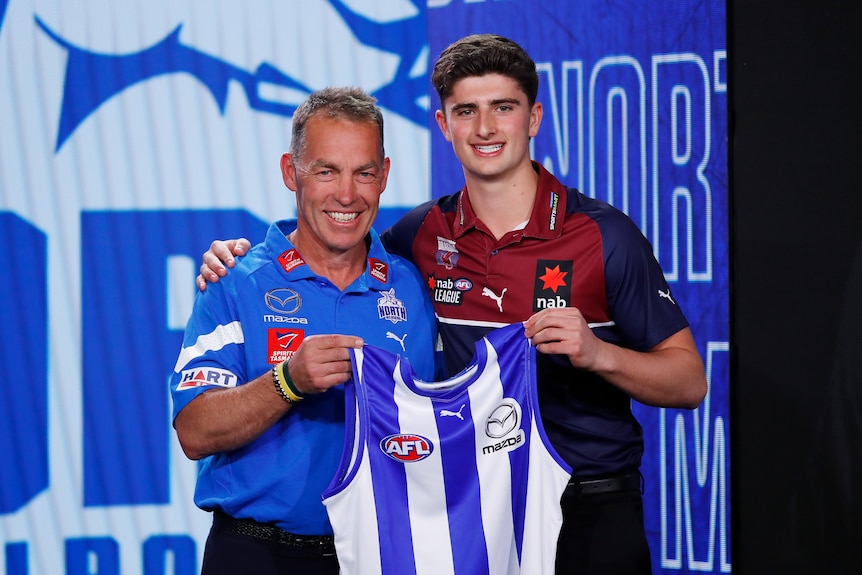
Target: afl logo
(503, 420)
(463, 284)
(406, 447)
(283, 300)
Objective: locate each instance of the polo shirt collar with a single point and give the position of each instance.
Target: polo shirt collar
(377, 266)
(546, 219)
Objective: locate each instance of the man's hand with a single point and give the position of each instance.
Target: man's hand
(668, 375)
(229, 418)
(322, 361)
(219, 255)
(564, 331)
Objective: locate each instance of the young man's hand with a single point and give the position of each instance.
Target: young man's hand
(220, 254)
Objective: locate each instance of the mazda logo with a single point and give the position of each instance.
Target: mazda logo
(283, 300)
(502, 420)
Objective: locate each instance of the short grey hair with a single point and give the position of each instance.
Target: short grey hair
(349, 103)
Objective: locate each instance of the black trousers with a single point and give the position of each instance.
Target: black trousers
(603, 534)
(230, 553)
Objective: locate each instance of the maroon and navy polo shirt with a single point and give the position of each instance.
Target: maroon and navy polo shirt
(575, 251)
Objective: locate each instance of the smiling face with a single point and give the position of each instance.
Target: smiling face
(338, 181)
(489, 122)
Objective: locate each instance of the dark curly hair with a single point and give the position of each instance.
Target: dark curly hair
(481, 54)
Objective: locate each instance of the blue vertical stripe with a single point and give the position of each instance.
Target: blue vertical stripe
(394, 531)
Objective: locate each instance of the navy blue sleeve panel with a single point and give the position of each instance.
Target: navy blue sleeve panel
(588, 421)
(400, 237)
(639, 299)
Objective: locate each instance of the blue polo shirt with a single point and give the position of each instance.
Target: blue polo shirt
(256, 317)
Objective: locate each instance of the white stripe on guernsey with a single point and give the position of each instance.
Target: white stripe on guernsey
(495, 475)
(215, 340)
(541, 530)
(357, 437)
(494, 324)
(425, 489)
(366, 539)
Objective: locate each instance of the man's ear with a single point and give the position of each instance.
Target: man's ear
(385, 179)
(288, 172)
(444, 125)
(535, 118)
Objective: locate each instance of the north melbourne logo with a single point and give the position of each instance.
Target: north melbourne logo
(390, 307)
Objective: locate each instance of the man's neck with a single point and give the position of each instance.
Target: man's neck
(504, 204)
(341, 269)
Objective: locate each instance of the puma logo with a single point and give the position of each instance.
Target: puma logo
(497, 298)
(390, 335)
(666, 294)
(446, 412)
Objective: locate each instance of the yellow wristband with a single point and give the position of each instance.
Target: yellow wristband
(286, 383)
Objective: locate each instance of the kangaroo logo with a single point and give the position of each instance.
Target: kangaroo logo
(497, 298)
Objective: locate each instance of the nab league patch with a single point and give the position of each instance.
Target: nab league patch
(406, 447)
(191, 378)
(448, 291)
(390, 307)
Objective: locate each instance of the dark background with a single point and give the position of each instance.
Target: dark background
(795, 132)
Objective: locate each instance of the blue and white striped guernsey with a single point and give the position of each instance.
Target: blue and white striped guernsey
(451, 477)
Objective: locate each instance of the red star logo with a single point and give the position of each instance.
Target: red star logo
(553, 278)
(432, 281)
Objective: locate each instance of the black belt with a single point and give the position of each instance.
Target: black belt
(627, 482)
(270, 533)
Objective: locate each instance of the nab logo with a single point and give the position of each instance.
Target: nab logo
(553, 285)
(447, 290)
(406, 447)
